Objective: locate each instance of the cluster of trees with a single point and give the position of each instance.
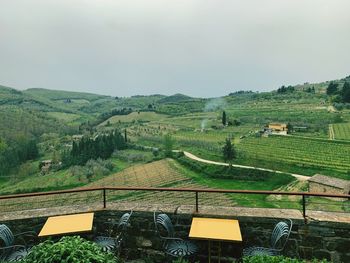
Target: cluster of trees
(310, 90)
(239, 92)
(100, 147)
(225, 120)
(92, 169)
(284, 89)
(90, 126)
(15, 153)
(340, 94)
(106, 115)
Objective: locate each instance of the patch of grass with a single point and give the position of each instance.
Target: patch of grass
(134, 116)
(249, 200)
(62, 116)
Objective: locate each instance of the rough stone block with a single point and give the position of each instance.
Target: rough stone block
(322, 254)
(305, 252)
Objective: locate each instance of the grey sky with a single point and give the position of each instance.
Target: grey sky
(196, 47)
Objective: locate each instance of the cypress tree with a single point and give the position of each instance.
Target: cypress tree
(224, 118)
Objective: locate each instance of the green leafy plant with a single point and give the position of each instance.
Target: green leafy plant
(278, 259)
(71, 250)
(181, 260)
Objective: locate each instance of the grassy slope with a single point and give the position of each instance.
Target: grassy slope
(53, 181)
(241, 199)
(135, 116)
(253, 110)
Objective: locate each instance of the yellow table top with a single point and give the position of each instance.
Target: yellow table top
(215, 229)
(56, 225)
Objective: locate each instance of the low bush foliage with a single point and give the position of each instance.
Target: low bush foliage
(279, 259)
(69, 249)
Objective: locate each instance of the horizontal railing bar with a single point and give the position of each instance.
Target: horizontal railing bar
(79, 190)
(199, 190)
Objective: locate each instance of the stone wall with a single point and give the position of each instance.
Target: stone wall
(317, 239)
(321, 188)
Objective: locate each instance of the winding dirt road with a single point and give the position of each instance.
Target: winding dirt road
(196, 158)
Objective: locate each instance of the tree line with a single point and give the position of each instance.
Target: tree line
(101, 146)
(340, 94)
(15, 153)
(285, 89)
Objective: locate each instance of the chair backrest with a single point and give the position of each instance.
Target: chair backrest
(6, 235)
(124, 221)
(280, 234)
(163, 225)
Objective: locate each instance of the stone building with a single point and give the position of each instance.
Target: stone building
(324, 184)
(277, 128)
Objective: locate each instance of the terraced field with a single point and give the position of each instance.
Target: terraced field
(341, 131)
(318, 153)
(156, 174)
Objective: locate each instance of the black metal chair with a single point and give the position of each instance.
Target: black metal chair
(173, 246)
(11, 252)
(116, 234)
(279, 238)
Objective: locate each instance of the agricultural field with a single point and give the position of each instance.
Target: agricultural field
(298, 151)
(341, 131)
(194, 124)
(133, 117)
(155, 174)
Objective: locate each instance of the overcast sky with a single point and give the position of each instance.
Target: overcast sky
(203, 48)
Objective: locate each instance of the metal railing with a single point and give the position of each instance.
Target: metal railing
(196, 200)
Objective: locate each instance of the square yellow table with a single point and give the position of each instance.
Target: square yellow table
(215, 229)
(77, 223)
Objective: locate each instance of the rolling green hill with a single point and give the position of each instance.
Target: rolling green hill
(195, 124)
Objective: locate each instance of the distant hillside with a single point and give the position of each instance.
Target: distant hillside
(10, 96)
(62, 95)
(175, 98)
(321, 86)
(23, 114)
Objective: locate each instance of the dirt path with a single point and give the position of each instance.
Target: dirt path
(331, 132)
(196, 158)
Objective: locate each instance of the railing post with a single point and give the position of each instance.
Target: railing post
(104, 197)
(304, 212)
(196, 201)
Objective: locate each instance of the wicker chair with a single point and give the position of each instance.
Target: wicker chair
(112, 242)
(279, 238)
(175, 247)
(10, 252)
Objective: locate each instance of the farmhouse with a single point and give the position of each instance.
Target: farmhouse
(324, 184)
(278, 127)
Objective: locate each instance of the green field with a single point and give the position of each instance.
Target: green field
(314, 153)
(195, 125)
(341, 131)
(135, 116)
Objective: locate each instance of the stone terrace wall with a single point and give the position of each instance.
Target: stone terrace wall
(318, 239)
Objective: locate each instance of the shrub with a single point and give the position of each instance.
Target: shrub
(181, 260)
(278, 259)
(73, 249)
